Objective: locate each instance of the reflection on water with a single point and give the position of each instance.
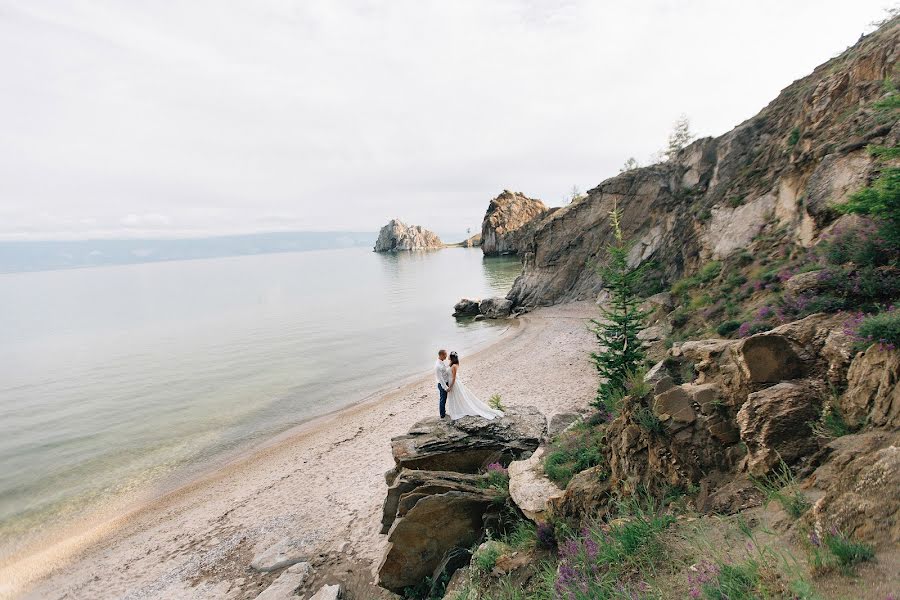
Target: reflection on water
(117, 379)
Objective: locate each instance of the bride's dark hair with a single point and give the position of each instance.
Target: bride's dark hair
(454, 358)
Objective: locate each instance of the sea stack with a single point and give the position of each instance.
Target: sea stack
(506, 220)
(397, 236)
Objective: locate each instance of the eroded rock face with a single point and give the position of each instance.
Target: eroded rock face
(861, 485)
(719, 408)
(714, 196)
(432, 526)
(774, 423)
(506, 221)
(412, 485)
(585, 496)
(397, 236)
(468, 444)
(872, 388)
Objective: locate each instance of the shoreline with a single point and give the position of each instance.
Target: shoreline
(243, 504)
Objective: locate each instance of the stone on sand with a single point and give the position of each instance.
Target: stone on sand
(287, 583)
(283, 554)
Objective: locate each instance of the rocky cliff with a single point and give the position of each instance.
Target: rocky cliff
(397, 236)
(509, 218)
(782, 169)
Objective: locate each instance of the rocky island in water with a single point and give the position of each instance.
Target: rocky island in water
(397, 236)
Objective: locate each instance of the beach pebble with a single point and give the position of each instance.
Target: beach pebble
(328, 592)
(283, 554)
(287, 583)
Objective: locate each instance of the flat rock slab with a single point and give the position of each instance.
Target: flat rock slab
(287, 583)
(283, 554)
(468, 444)
(328, 592)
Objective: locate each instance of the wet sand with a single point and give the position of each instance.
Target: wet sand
(320, 485)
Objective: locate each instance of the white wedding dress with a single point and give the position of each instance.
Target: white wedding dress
(463, 403)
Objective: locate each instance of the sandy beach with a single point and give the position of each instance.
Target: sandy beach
(320, 486)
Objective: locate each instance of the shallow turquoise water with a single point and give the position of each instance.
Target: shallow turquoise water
(118, 379)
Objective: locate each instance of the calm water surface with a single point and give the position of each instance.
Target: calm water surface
(120, 379)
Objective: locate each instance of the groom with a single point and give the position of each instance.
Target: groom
(442, 376)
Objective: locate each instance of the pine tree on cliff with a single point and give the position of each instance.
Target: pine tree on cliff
(620, 355)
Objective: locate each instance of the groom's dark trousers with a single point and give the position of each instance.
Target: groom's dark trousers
(442, 406)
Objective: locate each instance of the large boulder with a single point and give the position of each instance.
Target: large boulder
(529, 487)
(397, 236)
(860, 485)
(495, 308)
(506, 220)
(769, 358)
(468, 444)
(774, 423)
(872, 391)
(466, 308)
(433, 526)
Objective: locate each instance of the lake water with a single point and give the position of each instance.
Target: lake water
(121, 379)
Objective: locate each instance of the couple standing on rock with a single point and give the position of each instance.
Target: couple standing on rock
(455, 399)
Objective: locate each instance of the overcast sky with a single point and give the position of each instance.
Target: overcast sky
(126, 118)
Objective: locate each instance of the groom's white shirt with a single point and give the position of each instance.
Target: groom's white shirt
(442, 374)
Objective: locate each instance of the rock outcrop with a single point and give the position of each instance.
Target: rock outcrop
(860, 484)
(468, 444)
(872, 391)
(433, 526)
(495, 308)
(783, 168)
(397, 236)
(437, 501)
(466, 307)
(489, 308)
(508, 219)
(744, 406)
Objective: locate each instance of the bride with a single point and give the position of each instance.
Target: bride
(460, 401)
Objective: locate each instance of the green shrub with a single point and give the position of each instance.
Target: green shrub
(846, 551)
(781, 486)
(728, 327)
(735, 201)
(647, 420)
(523, 536)
(485, 558)
(881, 200)
(572, 453)
(734, 582)
(495, 402)
(836, 550)
(882, 328)
(601, 560)
(884, 152)
(709, 271)
(679, 317)
(831, 423)
(793, 137)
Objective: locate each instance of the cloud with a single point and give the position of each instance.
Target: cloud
(243, 116)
